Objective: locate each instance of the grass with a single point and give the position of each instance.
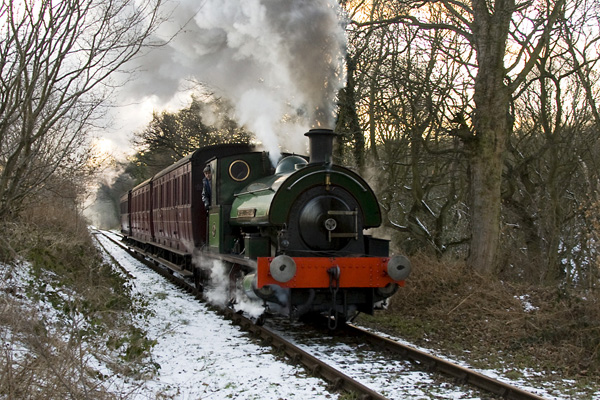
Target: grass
(46, 352)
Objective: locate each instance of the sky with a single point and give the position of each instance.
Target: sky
(280, 63)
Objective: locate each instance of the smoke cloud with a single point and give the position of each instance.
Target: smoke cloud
(218, 292)
(279, 62)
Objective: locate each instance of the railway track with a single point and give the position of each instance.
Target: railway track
(336, 378)
(433, 363)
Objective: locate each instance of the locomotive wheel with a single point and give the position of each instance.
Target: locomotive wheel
(260, 321)
(197, 279)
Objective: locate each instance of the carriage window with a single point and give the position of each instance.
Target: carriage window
(186, 192)
(176, 191)
(169, 201)
(239, 170)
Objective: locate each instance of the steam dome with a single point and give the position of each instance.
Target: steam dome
(290, 164)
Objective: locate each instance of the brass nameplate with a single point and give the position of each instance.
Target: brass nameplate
(246, 212)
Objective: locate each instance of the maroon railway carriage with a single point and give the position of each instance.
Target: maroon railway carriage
(139, 210)
(166, 213)
(125, 215)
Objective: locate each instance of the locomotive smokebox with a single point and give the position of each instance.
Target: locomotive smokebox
(321, 145)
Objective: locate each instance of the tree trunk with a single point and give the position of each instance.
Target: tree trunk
(491, 123)
(348, 123)
(486, 174)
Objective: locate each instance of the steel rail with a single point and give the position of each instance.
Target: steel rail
(337, 379)
(460, 373)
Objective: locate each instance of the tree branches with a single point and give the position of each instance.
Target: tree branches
(56, 61)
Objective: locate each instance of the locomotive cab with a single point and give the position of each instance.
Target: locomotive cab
(232, 174)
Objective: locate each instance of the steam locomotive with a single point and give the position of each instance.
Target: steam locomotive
(291, 238)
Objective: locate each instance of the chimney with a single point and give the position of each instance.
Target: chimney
(321, 145)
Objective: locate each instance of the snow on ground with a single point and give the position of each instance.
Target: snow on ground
(394, 378)
(202, 356)
(548, 390)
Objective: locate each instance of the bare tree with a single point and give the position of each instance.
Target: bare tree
(56, 63)
(171, 136)
(406, 89)
(551, 169)
(505, 38)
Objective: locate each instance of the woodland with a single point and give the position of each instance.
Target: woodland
(466, 136)
(476, 123)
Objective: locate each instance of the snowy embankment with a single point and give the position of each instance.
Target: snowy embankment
(203, 356)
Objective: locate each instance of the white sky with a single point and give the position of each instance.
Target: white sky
(129, 116)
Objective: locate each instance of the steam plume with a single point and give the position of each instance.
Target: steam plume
(280, 62)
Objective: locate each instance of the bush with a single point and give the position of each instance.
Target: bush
(88, 314)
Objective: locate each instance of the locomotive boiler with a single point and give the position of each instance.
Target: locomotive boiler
(292, 238)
